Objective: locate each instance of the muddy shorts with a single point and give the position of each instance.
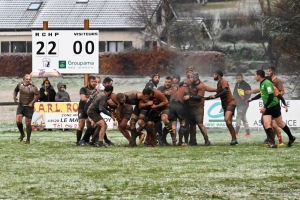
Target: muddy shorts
(25, 111)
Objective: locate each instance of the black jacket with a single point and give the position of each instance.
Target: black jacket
(151, 85)
(51, 94)
(241, 99)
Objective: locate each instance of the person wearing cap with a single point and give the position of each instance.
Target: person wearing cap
(196, 101)
(228, 103)
(175, 80)
(153, 82)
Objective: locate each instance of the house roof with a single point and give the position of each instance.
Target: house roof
(64, 14)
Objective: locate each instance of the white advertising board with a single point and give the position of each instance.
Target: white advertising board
(214, 114)
(69, 51)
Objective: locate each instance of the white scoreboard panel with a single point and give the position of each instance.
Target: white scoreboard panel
(69, 51)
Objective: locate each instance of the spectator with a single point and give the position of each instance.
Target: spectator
(62, 95)
(47, 92)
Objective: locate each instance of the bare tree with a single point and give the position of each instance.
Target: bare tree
(157, 15)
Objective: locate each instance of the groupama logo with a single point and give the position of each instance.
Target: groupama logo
(216, 113)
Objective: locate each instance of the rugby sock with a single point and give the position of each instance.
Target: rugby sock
(247, 131)
(164, 135)
(78, 135)
(95, 137)
(270, 133)
(88, 133)
(133, 135)
(20, 127)
(237, 129)
(286, 129)
(28, 131)
(186, 136)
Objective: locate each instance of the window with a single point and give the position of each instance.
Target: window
(82, 1)
(29, 47)
(34, 6)
(101, 46)
(127, 44)
(4, 47)
(159, 15)
(18, 47)
(115, 46)
(148, 44)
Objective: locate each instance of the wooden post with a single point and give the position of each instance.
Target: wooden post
(86, 27)
(45, 27)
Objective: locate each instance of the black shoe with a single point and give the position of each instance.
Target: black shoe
(266, 141)
(22, 136)
(291, 142)
(109, 143)
(165, 144)
(272, 145)
(193, 143)
(234, 142)
(99, 145)
(77, 143)
(82, 143)
(207, 143)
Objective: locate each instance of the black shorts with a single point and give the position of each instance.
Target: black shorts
(274, 111)
(141, 113)
(25, 111)
(177, 111)
(95, 116)
(229, 108)
(155, 115)
(82, 114)
(242, 110)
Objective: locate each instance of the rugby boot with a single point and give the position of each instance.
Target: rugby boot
(109, 143)
(207, 143)
(99, 144)
(234, 142)
(27, 141)
(290, 143)
(22, 136)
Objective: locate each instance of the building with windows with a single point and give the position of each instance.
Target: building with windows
(120, 26)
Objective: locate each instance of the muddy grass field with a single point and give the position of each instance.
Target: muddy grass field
(52, 167)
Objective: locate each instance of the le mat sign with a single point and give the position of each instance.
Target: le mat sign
(61, 115)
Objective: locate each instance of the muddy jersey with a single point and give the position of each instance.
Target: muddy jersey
(178, 94)
(92, 96)
(227, 98)
(28, 93)
(100, 99)
(197, 90)
(158, 98)
(87, 92)
(163, 89)
(132, 97)
(278, 84)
